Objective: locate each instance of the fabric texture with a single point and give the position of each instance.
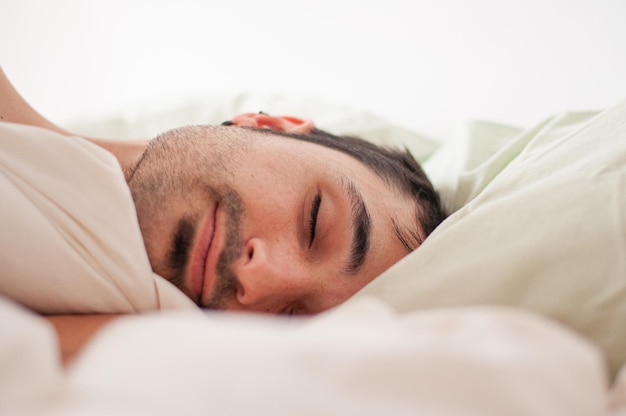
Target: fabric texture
(361, 359)
(70, 239)
(540, 224)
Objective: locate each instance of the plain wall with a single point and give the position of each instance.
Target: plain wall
(428, 65)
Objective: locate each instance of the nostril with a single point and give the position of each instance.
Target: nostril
(253, 250)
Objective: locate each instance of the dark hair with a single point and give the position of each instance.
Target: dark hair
(397, 167)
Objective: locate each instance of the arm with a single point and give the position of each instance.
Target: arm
(14, 109)
(74, 331)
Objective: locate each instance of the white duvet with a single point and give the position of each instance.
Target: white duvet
(359, 360)
(537, 222)
(70, 238)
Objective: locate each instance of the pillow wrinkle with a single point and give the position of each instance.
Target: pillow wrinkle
(544, 231)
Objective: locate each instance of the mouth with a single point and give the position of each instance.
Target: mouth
(204, 258)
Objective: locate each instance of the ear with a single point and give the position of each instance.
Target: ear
(278, 123)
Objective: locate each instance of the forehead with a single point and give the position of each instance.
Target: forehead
(312, 148)
(289, 149)
(383, 196)
(232, 147)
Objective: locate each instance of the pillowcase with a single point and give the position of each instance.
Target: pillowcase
(540, 224)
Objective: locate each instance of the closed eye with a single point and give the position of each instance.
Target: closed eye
(315, 209)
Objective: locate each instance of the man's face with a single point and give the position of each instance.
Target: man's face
(242, 220)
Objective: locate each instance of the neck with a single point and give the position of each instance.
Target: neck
(127, 152)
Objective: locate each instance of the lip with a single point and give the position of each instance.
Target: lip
(204, 257)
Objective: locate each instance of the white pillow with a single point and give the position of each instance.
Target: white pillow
(541, 225)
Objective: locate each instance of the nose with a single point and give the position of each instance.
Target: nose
(268, 276)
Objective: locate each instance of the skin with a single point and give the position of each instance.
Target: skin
(274, 266)
(256, 192)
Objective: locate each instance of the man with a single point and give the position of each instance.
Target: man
(266, 213)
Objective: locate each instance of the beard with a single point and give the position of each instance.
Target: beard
(180, 174)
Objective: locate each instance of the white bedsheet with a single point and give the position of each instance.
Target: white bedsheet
(361, 359)
(70, 240)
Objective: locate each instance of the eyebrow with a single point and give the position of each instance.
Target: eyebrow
(361, 227)
(410, 239)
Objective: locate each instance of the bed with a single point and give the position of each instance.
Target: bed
(515, 305)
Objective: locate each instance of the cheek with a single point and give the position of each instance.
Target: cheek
(271, 179)
(271, 201)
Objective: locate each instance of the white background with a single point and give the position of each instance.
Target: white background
(428, 65)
